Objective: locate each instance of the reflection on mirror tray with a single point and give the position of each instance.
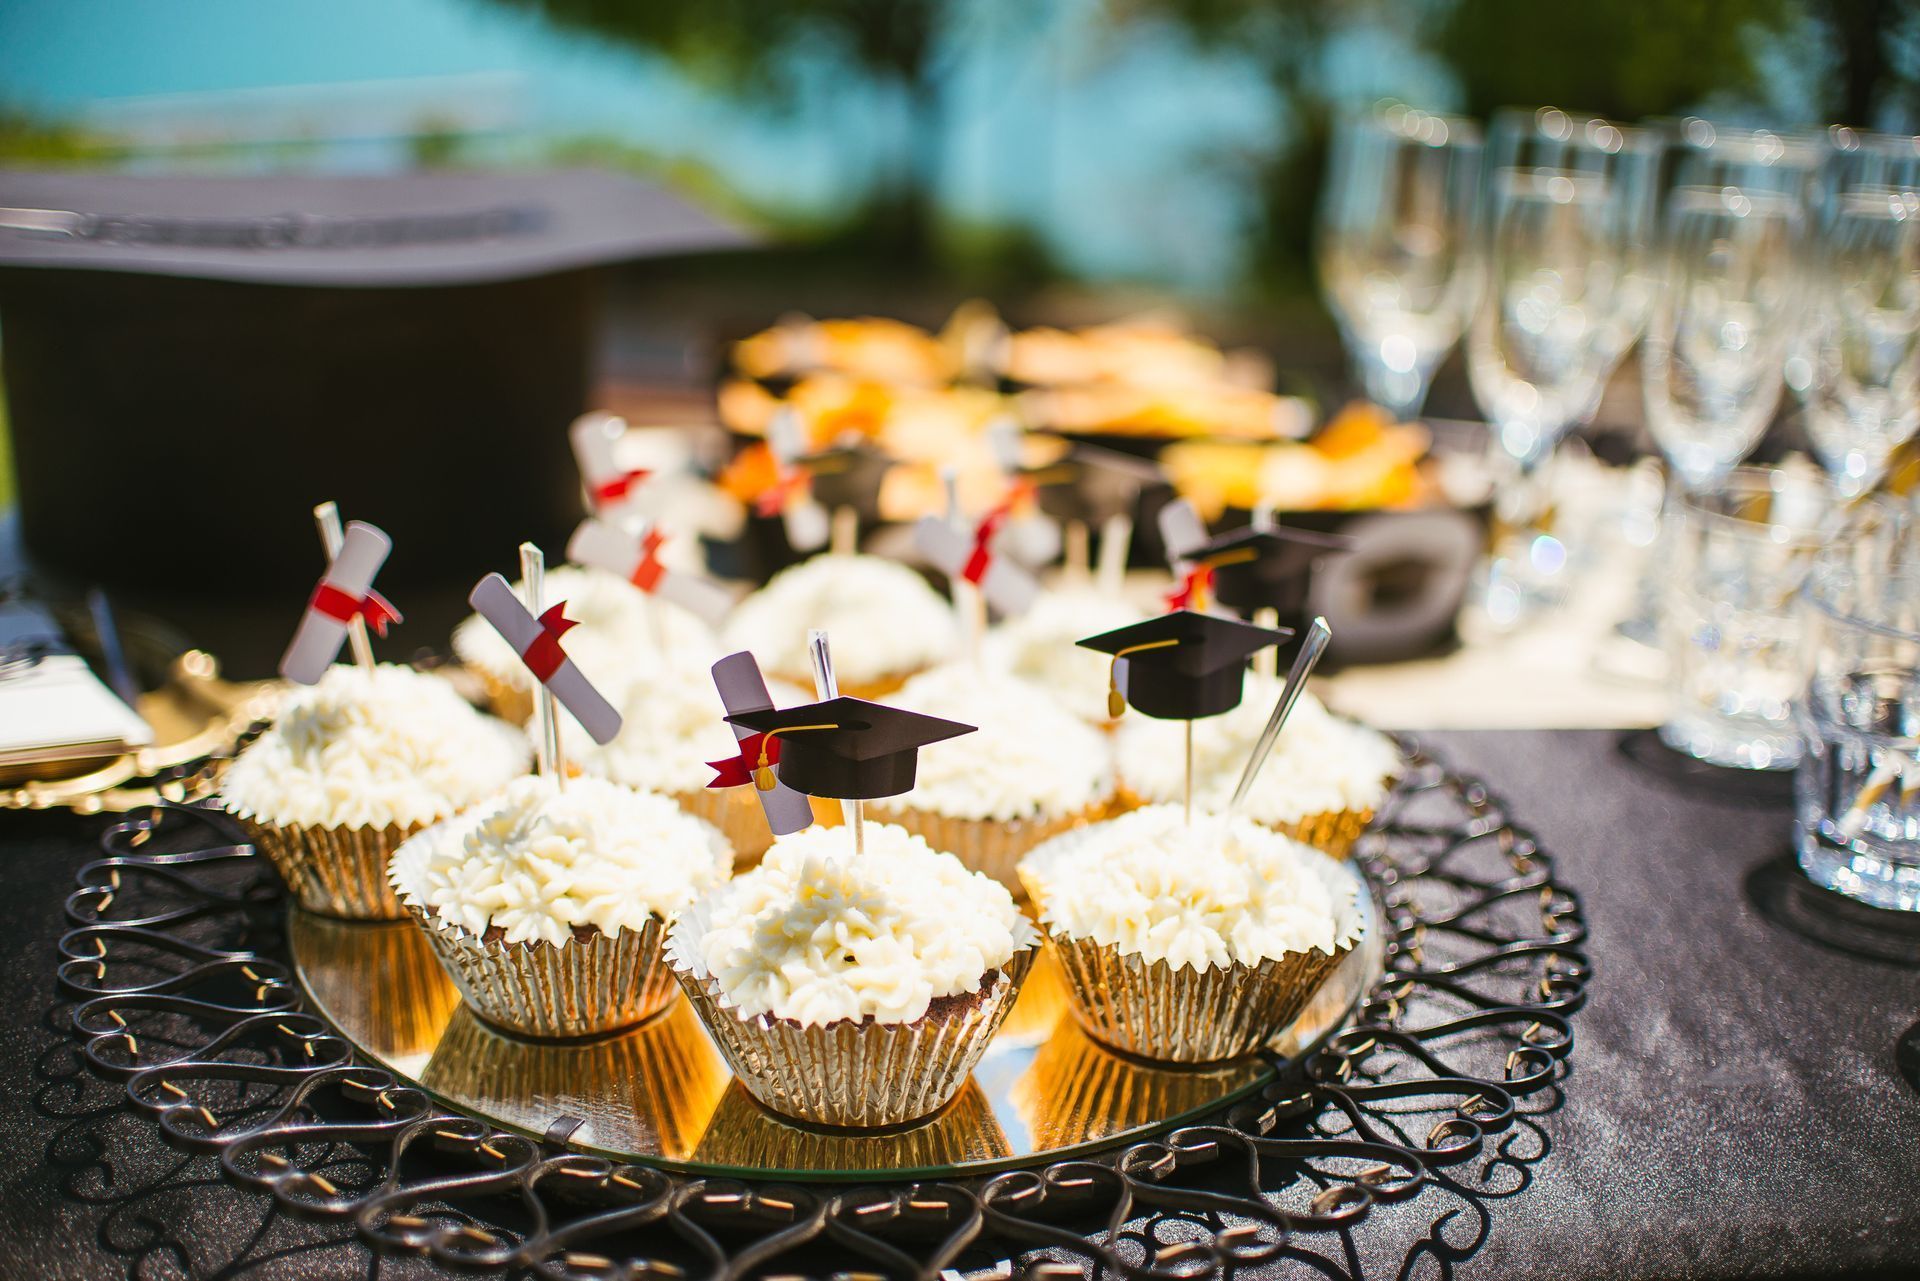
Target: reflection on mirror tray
(661, 1094)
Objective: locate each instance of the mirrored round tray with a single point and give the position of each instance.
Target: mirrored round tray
(660, 1094)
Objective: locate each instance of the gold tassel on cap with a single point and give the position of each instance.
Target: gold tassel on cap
(763, 776)
(1116, 701)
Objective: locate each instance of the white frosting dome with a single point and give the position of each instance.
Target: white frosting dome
(818, 934)
(1211, 894)
(538, 861)
(882, 617)
(1320, 763)
(619, 629)
(672, 723)
(366, 749)
(1040, 646)
(1029, 757)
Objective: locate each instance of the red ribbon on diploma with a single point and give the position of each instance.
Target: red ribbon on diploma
(737, 771)
(1193, 589)
(343, 607)
(544, 656)
(981, 558)
(647, 574)
(612, 491)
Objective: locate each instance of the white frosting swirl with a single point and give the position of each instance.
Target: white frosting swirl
(672, 723)
(1211, 894)
(818, 934)
(537, 861)
(366, 749)
(1040, 646)
(1320, 763)
(1029, 757)
(884, 620)
(617, 638)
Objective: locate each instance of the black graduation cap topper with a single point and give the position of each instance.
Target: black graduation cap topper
(1256, 568)
(846, 748)
(1181, 666)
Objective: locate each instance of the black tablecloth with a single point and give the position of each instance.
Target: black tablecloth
(1734, 1106)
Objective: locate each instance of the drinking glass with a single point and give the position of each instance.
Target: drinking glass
(1856, 366)
(1536, 351)
(1737, 557)
(1857, 791)
(1626, 159)
(1396, 246)
(1716, 344)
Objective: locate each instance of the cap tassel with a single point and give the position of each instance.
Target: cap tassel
(1116, 701)
(763, 775)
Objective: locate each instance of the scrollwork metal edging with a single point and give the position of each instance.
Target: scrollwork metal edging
(1338, 1128)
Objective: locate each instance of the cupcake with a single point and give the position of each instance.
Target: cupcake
(853, 989)
(549, 906)
(1190, 943)
(887, 622)
(1322, 784)
(1039, 646)
(670, 727)
(355, 765)
(1030, 772)
(617, 625)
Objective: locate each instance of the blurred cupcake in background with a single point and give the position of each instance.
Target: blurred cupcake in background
(1040, 646)
(1323, 783)
(353, 766)
(619, 634)
(671, 726)
(549, 906)
(1030, 771)
(887, 623)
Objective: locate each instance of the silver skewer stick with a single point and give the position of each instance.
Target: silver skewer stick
(824, 688)
(327, 517)
(547, 757)
(1308, 658)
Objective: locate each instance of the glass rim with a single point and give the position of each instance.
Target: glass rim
(1757, 479)
(1398, 120)
(1787, 148)
(1534, 121)
(1823, 574)
(1720, 199)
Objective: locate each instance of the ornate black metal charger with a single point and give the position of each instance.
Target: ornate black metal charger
(1411, 1121)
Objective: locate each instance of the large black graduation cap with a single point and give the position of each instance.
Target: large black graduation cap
(1267, 568)
(848, 748)
(1183, 666)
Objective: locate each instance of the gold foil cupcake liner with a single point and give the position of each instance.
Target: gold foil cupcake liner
(1330, 831)
(510, 702)
(1187, 1015)
(335, 871)
(859, 1073)
(993, 846)
(590, 984)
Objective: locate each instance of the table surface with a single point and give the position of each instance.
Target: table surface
(1733, 1106)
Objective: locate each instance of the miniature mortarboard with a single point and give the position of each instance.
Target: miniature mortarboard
(846, 748)
(1182, 666)
(1266, 568)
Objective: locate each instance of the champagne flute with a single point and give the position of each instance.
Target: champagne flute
(1556, 259)
(1396, 246)
(1716, 345)
(1628, 160)
(1861, 347)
